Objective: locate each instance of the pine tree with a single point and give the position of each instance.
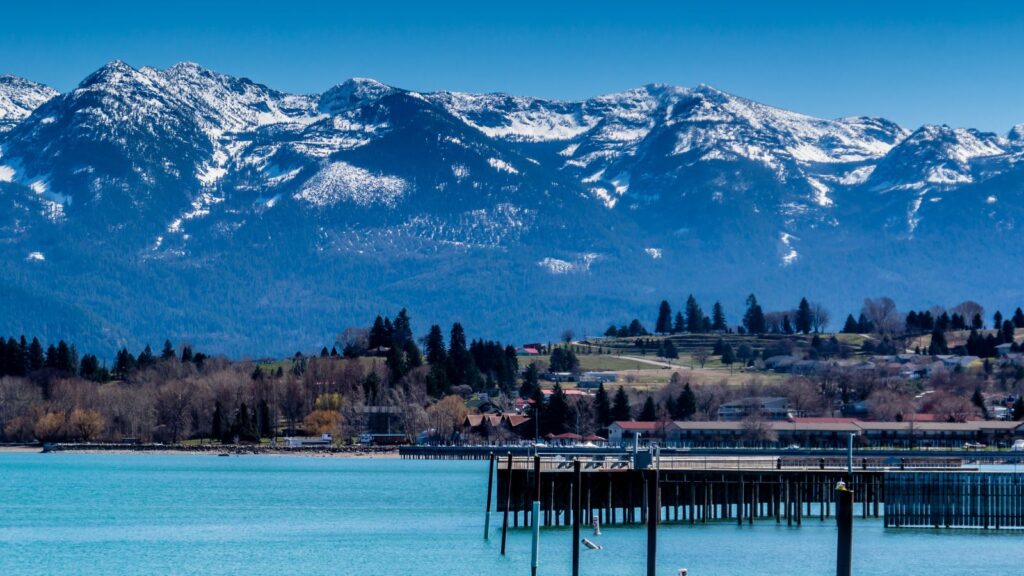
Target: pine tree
(977, 323)
(146, 358)
(686, 405)
(266, 425)
(378, 336)
(938, 343)
(1018, 318)
(664, 323)
(718, 317)
(694, 316)
(728, 355)
(669, 350)
(803, 316)
(436, 353)
(997, 320)
(753, 319)
(649, 412)
(602, 407)
(168, 351)
(556, 412)
(36, 359)
(530, 383)
(1008, 332)
(621, 410)
(679, 326)
(787, 328)
(186, 353)
(851, 325)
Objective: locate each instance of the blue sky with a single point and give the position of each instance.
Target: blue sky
(927, 62)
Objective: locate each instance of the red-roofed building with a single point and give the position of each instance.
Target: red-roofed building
(625, 431)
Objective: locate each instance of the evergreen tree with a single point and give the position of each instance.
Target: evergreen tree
(168, 351)
(621, 411)
(563, 360)
(679, 325)
(378, 336)
(1008, 332)
(649, 412)
(718, 317)
(864, 326)
(325, 353)
(753, 319)
(694, 316)
(36, 359)
(787, 328)
(186, 353)
(719, 347)
(803, 316)
(602, 407)
(436, 354)
(1018, 319)
(728, 355)
(611, 332)
(636, 329)
(851, 326)
(89, 368)
(979, 400)
(938, 344)
(146, 358)
(997, 320)
(664, 323)
(669, 350)
(556, 412)
(124, 363)
(977, 323)
(531, 380)
(686, 405)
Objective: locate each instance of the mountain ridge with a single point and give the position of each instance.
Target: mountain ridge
(184, 171)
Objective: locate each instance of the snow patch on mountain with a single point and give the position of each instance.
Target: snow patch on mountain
(502, 166)
(343, 182)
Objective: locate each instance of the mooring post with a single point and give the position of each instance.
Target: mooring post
(844, 519)
(508, 503)
(849, 455)
(535, 516)
(487, 508)
(652, 521)
(535, 556)
(577, 516)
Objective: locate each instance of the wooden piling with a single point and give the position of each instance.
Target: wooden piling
(487, 508)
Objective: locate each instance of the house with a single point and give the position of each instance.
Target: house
(621, 432)
(300, 441)
(490, 425)
(833, 433)
(595, 379)
(771, 408)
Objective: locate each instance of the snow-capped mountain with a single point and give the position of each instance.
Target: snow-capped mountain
(178, 202)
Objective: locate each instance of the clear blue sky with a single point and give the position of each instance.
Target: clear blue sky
(913, 62)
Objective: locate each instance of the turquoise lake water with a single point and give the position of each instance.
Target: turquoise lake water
(258, 515)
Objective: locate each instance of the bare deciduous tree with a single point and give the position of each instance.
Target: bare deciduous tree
(882, 313)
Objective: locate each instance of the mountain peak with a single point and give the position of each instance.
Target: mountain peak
(19, 97)
(353, 92)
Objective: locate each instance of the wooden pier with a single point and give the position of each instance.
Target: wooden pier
(745, 490)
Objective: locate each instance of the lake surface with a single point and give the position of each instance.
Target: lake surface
(264, 515)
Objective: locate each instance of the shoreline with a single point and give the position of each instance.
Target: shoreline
(354, 452)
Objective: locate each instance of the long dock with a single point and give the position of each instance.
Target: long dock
(697, 490)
